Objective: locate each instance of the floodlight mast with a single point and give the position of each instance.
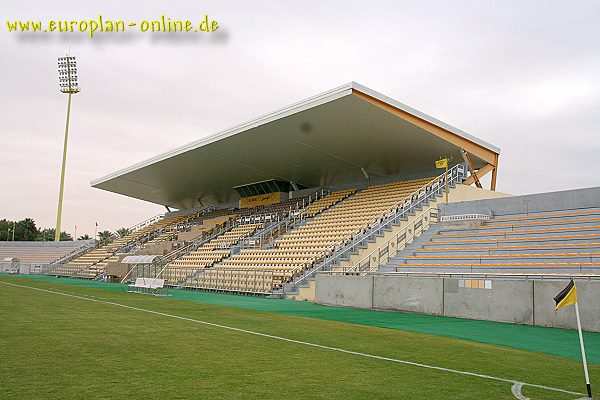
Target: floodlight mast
(67, 79)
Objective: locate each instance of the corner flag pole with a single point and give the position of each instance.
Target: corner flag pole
(585, 368)
(567, 297)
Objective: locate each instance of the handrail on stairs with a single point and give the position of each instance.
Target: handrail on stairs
(407, 204)
(290, 219)
(373, 260)
(229, 225)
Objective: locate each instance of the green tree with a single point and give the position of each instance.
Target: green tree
(64, 236)
(6, 230)
(122, 232)
(47, 235)
(26, 230)
(84, 237)
(5, 227)
(105, 237)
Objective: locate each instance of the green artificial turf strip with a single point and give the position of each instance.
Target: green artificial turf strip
(559, 342)
(60, 347)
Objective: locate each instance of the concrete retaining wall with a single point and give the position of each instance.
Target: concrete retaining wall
(506, 301)
(567, 199)
(352, 291)
(419, 295)
(588, 296)
(527, 302)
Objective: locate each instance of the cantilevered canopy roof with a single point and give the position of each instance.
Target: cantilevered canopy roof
(324, 140)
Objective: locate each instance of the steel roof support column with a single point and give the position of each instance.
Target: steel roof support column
(494, 175)
(471, 168)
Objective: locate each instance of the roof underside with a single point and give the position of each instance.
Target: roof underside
(323, 141)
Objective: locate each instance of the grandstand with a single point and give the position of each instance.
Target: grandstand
(311, 242)
(37, 255)
(296, 194)
(299, 188)
(208, 254)
(92, 264)
(561, 241)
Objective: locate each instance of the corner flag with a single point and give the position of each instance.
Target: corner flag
(567, 296)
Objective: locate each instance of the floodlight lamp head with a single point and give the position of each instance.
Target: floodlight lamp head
(67, 75)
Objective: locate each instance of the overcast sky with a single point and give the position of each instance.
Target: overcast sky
(522, 75)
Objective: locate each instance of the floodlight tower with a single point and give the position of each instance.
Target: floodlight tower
(67, 79)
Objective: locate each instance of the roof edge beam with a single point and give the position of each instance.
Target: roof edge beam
(473, 148)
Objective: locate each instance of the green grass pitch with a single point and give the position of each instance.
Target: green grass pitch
(59, 347)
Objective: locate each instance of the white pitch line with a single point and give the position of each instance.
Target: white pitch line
(320, 346)
(516, 391)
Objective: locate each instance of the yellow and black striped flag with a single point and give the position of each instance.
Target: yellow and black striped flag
(567, 296)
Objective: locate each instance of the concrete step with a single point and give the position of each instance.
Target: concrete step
(576, 219)
(574, 269)
(573, 223)
(510, 259)
(520, 249)
(529, 233)
(484, 230)
(410, 248)
(496, 241)
(546, 215)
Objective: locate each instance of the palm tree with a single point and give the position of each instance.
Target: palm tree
(5, 225)
(84, 237)
(105, 237)
(47, 235)
(64, 236)
(27, 229)
(122, 232)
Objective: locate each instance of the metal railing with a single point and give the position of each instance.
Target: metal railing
(317, 195)
(410, 203)
(255, 281)
(266, 219)
(464, 217)
(306, 271)
(265, 235)
(10, 267)
(372, 261)
(302, 214)
(71, 255)
(200, 240)
(183, 251)
(139, 242)
(279, 278)
(190, 211)
(145, 223)
(69, 271)
(144, 271)
(280, 226)
(295, 211)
